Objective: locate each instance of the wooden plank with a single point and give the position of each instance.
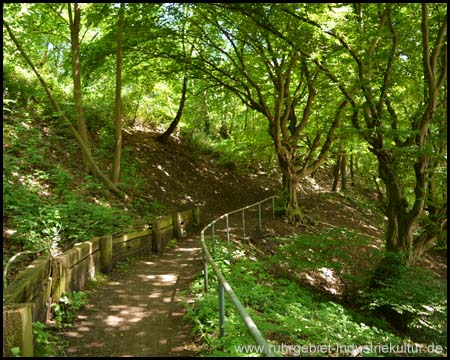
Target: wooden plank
(28, 282)
(95, 243)
(126, 255)
(187, 216)
(166, 234)
(81, 273)
(136, 243)
(79, 253)
(59, 277)
(42, 301)
(165, 221)
(131, 236)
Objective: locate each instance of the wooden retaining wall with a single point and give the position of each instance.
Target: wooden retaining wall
(29, 297)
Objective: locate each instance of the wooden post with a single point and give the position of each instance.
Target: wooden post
(106, 254)
(17, 329)
(60, 278)
(196, 216)
(177, 232)
(156, 239)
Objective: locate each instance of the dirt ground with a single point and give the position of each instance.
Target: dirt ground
(138, 310)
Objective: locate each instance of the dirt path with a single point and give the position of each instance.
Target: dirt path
(138, 311)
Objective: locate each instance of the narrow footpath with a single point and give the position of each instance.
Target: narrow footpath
(138, 311)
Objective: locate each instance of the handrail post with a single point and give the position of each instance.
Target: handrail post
(205, 262)
(259, 213)
(213, 240)
(221, 310)
(205, 273)
(273, 206)
(243, 221)
(228, 233)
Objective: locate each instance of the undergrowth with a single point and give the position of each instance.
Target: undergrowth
(48, 203)
(294, 320)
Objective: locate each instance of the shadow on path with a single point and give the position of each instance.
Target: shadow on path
(137, 312)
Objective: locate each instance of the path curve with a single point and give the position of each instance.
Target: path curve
(137, 312)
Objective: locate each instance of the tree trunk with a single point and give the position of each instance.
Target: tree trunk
(76, 75)
(290, 184)
(207, 125)
(352, 171)
(117, 110)
(336, 171)
(173, 125)
(401, 223)
(343, 171)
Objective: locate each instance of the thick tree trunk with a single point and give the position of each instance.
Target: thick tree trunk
(401, 222)
(287, 161)
(75, 19)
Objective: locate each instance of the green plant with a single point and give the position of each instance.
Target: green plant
(122, 266)
(171, 244)
(44, 343)
(67, 307)
(16, 352)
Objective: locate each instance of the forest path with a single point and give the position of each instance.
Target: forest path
(138, 311)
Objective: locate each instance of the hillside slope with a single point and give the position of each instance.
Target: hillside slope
(179, 176)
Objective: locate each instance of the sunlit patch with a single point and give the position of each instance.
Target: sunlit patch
(102, 203)
(327, 274)
(151, 277)
(71, 334)
(112, 320)
(168, 277)
(164, 171)
(10, 232)
(154, 295)
(135, 319)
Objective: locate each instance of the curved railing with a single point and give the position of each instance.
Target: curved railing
(225, 286)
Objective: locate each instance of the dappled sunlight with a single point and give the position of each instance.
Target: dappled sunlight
(313, 184)
(35, 182)
(139, 302)
(10, 232)
(159, 167)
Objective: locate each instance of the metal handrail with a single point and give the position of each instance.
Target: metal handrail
(224, 285)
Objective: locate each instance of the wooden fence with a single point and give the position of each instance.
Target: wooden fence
(29, 297)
